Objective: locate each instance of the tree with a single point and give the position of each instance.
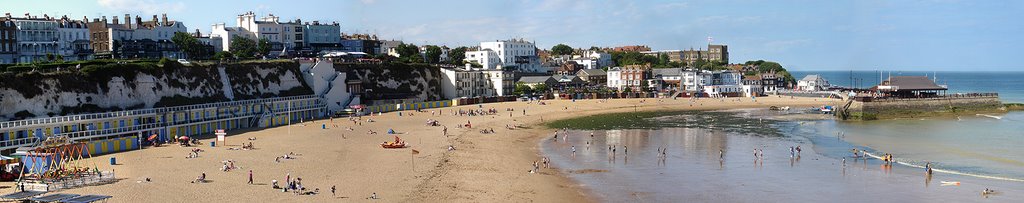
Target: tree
(593, 48)
(663, 59)
(223, 55)
(561, 49)
(540, 88)
(188, 45)
(263, 47)
(521, 89)
(433, 54)
(457, 55)
(409, 53)
(242, 47)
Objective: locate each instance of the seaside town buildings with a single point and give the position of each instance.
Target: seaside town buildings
(35, 37)
(631, 76)
(595, 77)
(515, 53)
(138, 39)
(288, 37)
(812, 83)
(8, 41)
(476, 82)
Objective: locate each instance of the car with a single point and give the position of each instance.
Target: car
(184, 62)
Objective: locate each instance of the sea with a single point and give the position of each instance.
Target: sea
(1009, 85)
(710, 156)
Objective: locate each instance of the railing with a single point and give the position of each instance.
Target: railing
(318, 103)
(942, 97)
(143, 112)
(17, 142)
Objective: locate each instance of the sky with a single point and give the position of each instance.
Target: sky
(924, 35)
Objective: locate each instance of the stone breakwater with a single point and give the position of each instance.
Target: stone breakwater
(915, 108)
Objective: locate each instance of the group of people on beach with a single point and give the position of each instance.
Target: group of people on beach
(194, 153)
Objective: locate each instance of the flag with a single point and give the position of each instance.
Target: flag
(415, 151)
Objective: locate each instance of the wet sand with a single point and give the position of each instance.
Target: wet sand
(693, 170)
(483, 168)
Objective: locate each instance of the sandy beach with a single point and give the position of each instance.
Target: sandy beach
(482, 168)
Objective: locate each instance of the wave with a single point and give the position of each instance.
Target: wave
(991, 116)
(948, 171)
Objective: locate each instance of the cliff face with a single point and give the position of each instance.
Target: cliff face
(109, 87)
(410, 82)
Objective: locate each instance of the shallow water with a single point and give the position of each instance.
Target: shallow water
(693, 171)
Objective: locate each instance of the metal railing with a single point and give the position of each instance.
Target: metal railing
(144, 112)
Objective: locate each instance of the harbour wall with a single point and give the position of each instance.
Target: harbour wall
(924, 107)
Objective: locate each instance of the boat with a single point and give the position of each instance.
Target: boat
(398, 143)
(826, 109)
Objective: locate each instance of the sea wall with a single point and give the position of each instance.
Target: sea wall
(915, 108)
(122, 86)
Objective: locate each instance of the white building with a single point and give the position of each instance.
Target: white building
(503, 81)
(73, 39)
(593, 60)
(458, 83)
(485, 58)
(226, 34)
(725, 83)
(283, 36)
(36, 37)
(813, 83)
(695, 80)
(614, 79)
(517, 53)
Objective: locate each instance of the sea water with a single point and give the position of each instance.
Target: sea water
(1009, 85)
(710, 158)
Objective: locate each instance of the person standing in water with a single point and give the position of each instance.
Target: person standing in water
(573, 150)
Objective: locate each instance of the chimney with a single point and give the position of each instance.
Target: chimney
(154, 20)
(163, 19)
(114, 19)
(127, 19)
(104, 19)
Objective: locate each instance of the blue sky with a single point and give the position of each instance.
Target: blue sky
(927, 35)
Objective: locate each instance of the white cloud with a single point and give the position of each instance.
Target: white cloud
(142, 6)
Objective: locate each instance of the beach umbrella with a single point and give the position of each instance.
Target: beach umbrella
(152, 137)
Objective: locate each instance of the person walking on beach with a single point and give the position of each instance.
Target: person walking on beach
(721, 155)
(332, 192)
(798, 150)
(250, 177)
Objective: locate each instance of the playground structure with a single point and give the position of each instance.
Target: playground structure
(58, 163)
